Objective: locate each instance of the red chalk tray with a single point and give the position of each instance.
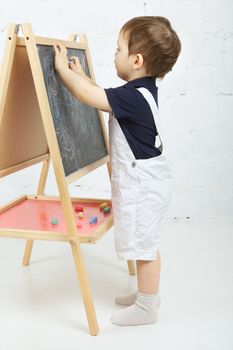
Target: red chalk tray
(36, 214)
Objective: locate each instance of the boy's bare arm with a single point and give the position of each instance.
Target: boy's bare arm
(84, 90)
(78, 83)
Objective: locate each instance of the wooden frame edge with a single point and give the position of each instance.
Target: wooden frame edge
(7, 62)
(12, 203)
(86, 170)
(34, 235)
(39, 40)
(23, 165)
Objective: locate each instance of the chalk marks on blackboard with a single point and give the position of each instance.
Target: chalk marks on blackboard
(77, 125)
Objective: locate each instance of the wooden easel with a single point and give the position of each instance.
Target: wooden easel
(46, 149)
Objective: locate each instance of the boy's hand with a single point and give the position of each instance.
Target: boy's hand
(75, 65)
(79, 84)
(61, 60)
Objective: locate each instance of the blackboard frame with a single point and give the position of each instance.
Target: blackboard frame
(82, 44)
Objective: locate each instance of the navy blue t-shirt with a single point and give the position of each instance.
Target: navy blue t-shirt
(135, 117)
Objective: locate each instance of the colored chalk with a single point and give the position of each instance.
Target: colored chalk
(93, 220)
(54, 221)
(103, 205)
(107, 210)
(78, 208)
(80, 214)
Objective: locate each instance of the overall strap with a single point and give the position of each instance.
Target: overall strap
(154, 109)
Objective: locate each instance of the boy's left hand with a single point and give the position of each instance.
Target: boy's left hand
(75, 65)
(60, 59)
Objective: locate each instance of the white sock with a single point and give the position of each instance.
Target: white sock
(143, 311)
(130, 299)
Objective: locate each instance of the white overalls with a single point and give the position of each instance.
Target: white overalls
(141, 191)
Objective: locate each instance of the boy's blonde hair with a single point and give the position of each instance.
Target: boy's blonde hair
(154, 38)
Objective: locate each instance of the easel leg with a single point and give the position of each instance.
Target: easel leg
(85, 290)
(131, 267)
(27, 253)
(40, 191)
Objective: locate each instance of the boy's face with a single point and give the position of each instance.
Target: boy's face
(123, 62)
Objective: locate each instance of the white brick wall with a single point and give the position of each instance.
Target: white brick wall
(196, 99)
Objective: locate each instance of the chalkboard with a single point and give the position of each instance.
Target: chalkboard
(78, 129)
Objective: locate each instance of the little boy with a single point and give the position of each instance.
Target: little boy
(147, 48)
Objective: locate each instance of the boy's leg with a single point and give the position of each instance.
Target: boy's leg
(144, 311)
(148, 275)
(143, 268)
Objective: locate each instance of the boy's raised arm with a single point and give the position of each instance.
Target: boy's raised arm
(78, 83)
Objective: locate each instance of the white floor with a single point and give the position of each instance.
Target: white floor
(41, 307)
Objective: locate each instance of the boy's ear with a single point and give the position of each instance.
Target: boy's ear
(138, 61)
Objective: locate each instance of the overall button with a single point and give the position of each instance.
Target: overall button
(133, 165)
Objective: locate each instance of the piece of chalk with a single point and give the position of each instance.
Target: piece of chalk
(107, 210)
(54, 221)
(103, 205)
(78, 208)
(80, 214)
(93, 220)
